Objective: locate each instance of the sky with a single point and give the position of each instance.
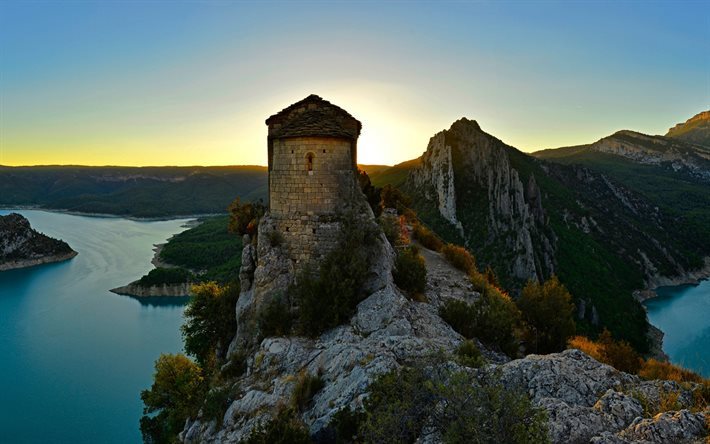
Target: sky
(191, 82)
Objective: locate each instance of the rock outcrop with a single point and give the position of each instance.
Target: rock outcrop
(469, 177)
(694, 130)
(585, 401)
(21, 246)
(678, 155)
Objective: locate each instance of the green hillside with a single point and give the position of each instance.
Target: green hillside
(132, 191)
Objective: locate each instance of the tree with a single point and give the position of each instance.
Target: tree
(410, 270)
(244, 218)
(547, 309)
(176, 394)
(210, 322)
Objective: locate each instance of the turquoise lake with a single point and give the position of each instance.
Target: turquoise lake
(683, 313)
(75, 356)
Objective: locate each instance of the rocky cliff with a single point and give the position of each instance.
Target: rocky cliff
(586, 401)
(468, 176)
(21, 246)
(694, 130)
(603, 236)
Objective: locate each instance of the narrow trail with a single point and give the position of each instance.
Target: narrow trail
(445, 281)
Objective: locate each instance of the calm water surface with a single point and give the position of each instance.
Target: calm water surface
(75, 356)
(683, 313)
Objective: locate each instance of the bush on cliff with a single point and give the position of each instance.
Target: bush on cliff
(427, 238)
(210, 323)
(177, 393)
(459, 257)
(618, 354)
(547, 310)
(328, 298)
(285, 428)
(410, 271)
(457, 405)
(493, 318)
(244, 217)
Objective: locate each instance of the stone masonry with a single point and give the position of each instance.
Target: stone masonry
(312, 176)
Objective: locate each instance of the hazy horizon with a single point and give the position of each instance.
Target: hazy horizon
(190, 84)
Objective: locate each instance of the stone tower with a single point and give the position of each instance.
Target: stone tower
(312, 175)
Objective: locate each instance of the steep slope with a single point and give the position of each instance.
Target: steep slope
(21, 246)
(694, 130)
(528, 218)
(672, 175)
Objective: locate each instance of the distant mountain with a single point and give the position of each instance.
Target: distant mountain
(529, 218)
(21, 246)
(666, 153)
(395, 175)
(695, 130)
(132, 191)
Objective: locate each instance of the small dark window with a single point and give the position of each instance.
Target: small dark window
(314, 231)
(291, 151)
(323, 151)
(287, 228)
(309, 161)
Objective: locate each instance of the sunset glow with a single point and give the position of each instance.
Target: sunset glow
(154, 83)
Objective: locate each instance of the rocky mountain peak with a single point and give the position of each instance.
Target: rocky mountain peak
(694, 130)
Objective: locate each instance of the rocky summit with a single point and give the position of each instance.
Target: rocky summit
(21, 246)
(586, 401)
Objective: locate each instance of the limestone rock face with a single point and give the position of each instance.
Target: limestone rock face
(468, 175)
(587, 401)
(21, 246)
(695, 130)
(657, 150)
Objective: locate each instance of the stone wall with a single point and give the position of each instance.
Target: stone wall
(305, 202)
(326, 189)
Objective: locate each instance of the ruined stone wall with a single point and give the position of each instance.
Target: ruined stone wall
(304, 204)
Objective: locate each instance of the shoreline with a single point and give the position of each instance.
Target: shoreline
(27, 263)
(688, 278)
(109, 215)
(655, 334)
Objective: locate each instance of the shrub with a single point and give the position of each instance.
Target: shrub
(410, 270)
(216, 403)
(619, 354)
(460, 316)
(275, 238)
(176, 394)
(393, 198)
(210, 323)
(236, 366)
(394, 229)
(307, 386)
(427, 238)
(548, 311)
(244, 218)
(285, 428)
(491, 277)
(654, 369)
(274, 319)
(328, 298)
(469, 355)
(493, 319)
(459, 257)
(588, 346)
(455, 404)
(342, 428)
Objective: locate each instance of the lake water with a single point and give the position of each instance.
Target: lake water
(75, 356)
(683, 313)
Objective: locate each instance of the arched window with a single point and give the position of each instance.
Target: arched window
(309, 162)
